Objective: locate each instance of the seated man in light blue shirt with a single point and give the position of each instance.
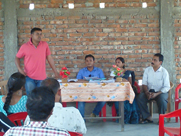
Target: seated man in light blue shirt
(156, 85)
(90, 71)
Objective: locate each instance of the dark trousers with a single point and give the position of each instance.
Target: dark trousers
(5, 123)
(161, 101)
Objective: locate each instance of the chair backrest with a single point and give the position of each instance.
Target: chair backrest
(2, 133)
(17, 118)
(75, 134)
(137, 86)
(3, 87)
(177, 91)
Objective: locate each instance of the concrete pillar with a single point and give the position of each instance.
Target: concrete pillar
(167, 40)
(10, 36)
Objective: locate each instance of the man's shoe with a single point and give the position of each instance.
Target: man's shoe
(92, 115)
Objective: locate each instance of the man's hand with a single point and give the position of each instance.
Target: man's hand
(153, 95)
(57, 76)
(148, 94)
(22, 72)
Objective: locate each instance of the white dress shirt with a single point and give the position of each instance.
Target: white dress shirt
(158, 80)
(68, 118)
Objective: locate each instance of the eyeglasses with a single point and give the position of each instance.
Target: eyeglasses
(90, 75)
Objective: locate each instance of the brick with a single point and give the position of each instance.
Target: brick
(135, 38)
(75, 52)
(53, 6)
(107, 30)
(81, 47)
(61, 17)
(69, 21)
(75, 34)
(70, 39)
(147, 55)
(82, 30)
(123, 5)
(74, 17)
(69, 30)
(134, 29)
(114, 34)
(89, 52)
(114, 51)
(121, 30)
(95, 21)
(88, 34)
(67, 47)
(95, 30)
(40, 6)
(107, 47)
(81, 21)
(101, 34)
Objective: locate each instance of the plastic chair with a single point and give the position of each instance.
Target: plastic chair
(64, 104)
(113, 106)
(169, 130)
(3, 87)
(2, 133)
(16, 118)
(75, 134)
(177, 99)
(168, 104)
(103, 111)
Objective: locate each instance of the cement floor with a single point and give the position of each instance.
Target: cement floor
(110, 128)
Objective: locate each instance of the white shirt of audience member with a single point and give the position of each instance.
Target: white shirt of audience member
(158, 80)
(68, 118)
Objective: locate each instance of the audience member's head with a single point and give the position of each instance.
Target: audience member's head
(157, 60)
(89, 60)
(54, 85)
(160, 56)
(40, 103)
(15, 84)
(120, 62)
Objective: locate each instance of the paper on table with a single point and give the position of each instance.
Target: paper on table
(102, 81)
(59, 80)
(91, 78)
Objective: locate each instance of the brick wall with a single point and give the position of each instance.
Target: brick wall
(70, 38)
(1, 46)
(177, 25)
(85, 3)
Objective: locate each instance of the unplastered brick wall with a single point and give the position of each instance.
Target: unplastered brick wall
(85, 3)
(177, 46)
(1, 46)
(177, 3)
(70, 38)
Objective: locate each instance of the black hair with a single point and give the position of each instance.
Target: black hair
(35, 29)
(160, 56)
(15, 83)
(89, 56)
(52, 84)
(40, 103)
(122, 60)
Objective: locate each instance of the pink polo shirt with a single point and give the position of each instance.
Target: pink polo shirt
(34, 59)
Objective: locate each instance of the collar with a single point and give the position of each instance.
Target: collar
(92, 70)
(30, 42)
(58, 104)
(158, 70)
(37, 124)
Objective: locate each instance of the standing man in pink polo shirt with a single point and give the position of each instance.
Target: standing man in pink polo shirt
(35, 52)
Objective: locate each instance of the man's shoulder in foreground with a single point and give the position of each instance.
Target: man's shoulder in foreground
(36, 128)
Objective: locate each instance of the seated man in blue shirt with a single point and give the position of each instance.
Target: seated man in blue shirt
(90, 71)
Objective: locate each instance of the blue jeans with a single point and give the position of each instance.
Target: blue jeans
(31, 84)
(97, 109)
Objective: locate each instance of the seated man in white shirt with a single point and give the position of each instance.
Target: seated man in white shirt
(68, 118)
(156, 85)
